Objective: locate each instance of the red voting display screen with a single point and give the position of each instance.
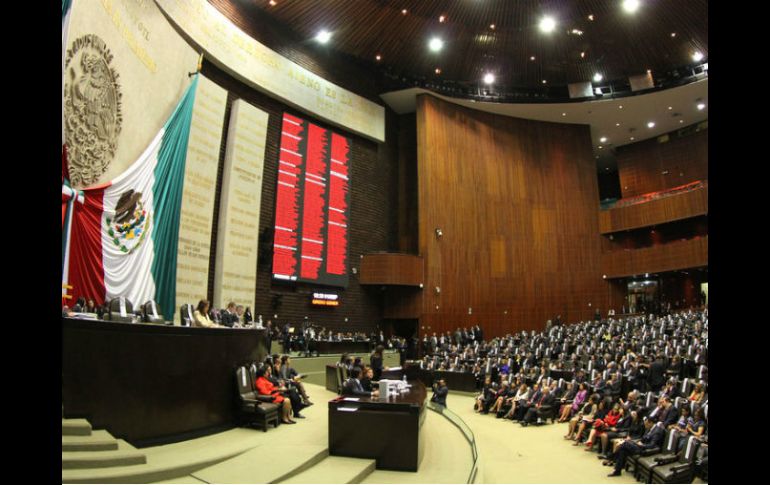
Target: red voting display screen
(312, 205)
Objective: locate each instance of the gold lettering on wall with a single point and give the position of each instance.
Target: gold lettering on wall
(268, 71)
(238, 236)
(198, 194)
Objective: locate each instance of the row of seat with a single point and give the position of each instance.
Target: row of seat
(255, 408)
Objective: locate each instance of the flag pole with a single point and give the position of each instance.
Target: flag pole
(198, 69)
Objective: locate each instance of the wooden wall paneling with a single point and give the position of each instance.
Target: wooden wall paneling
(517, 201)
(691, 253)
(675, 207)
(650, 166)
(391, 269)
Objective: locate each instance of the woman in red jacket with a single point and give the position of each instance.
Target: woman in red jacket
(265, 387)
(601, 426)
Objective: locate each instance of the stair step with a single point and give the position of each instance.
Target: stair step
(336, 469)
(75, 427)
(125, 455)
(251, 466)
(99, 440)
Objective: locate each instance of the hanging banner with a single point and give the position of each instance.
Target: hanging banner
(238, 235)
(200, 180)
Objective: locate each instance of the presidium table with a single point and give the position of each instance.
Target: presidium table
(388, 430)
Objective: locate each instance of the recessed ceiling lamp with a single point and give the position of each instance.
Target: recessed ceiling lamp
(532, 58)
(582, 55)
(564, 114)
(598, 77)
(632, 138)
(492, 26)
(650, 124)
(437, 71)
(547, 24)
(404, 12)
(378, 57)
(620, 107)
(323, 36)
(273, 3)
(603, 139)
(544, 81)
(441, 19)
(630, 6)
(489, 78)
(697, 56)
(435, 44)
(617, 124)
(701, 106)
(673, 34)
(670, 108)
(591, 17)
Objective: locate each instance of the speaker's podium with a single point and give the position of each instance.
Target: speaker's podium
(387, 429)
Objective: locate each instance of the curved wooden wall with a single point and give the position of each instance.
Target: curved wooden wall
(667, 209)
(692, 253)
(517, 202)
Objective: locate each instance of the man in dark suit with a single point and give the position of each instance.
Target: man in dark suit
(657, 375)
(353, 387)
(440, 391)
(228, 316)
(653, 438)
(544, 403)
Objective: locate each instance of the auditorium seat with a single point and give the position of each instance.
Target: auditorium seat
(645, 464)
(253, 409)
(186, 315)
(121, 312)
(682, 470)
(150, 313)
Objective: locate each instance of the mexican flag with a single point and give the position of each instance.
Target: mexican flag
(122, 236)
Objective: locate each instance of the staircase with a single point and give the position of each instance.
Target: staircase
(83, 448)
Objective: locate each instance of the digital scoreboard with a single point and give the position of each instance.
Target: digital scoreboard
(312, 205)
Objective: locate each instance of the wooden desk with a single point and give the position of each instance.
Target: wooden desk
(386, 430)
(362, 347)
(154, 384)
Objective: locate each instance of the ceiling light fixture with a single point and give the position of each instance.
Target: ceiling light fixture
(620, 107)
(582, 55)
(650, 124)
(404, 12)
(697, 56)
(673, 34)
(617, 124)
(598, 77)
(492, 26)
(438, 71)
(323, 36)
(547, 24)
(436, 44)
(441, 19)
(564, 114)
(591, 18)
(603, 139)
(378, 57)
(701, 106)
(532, 58)
(489, 78)
(273, 3)
(544, 81)
(630, 6)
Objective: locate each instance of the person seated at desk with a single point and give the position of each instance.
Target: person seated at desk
(440, 392)
(265, 387)
(201, 316)
(368, 379)
(228, 315)
(353, 387)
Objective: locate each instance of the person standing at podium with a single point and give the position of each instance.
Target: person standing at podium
(376, 362)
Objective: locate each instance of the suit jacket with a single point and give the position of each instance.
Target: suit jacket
(654, 437)
(546, 400)
(353, 387)
(439, 395)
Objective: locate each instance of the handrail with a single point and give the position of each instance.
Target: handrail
(464, 429)
(640, 199)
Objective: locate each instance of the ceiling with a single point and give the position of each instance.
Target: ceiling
(606, 118)
(615, 44)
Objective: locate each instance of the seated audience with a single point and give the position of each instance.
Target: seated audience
(265, 387)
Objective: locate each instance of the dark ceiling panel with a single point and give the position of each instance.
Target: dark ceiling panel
(615, 43)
